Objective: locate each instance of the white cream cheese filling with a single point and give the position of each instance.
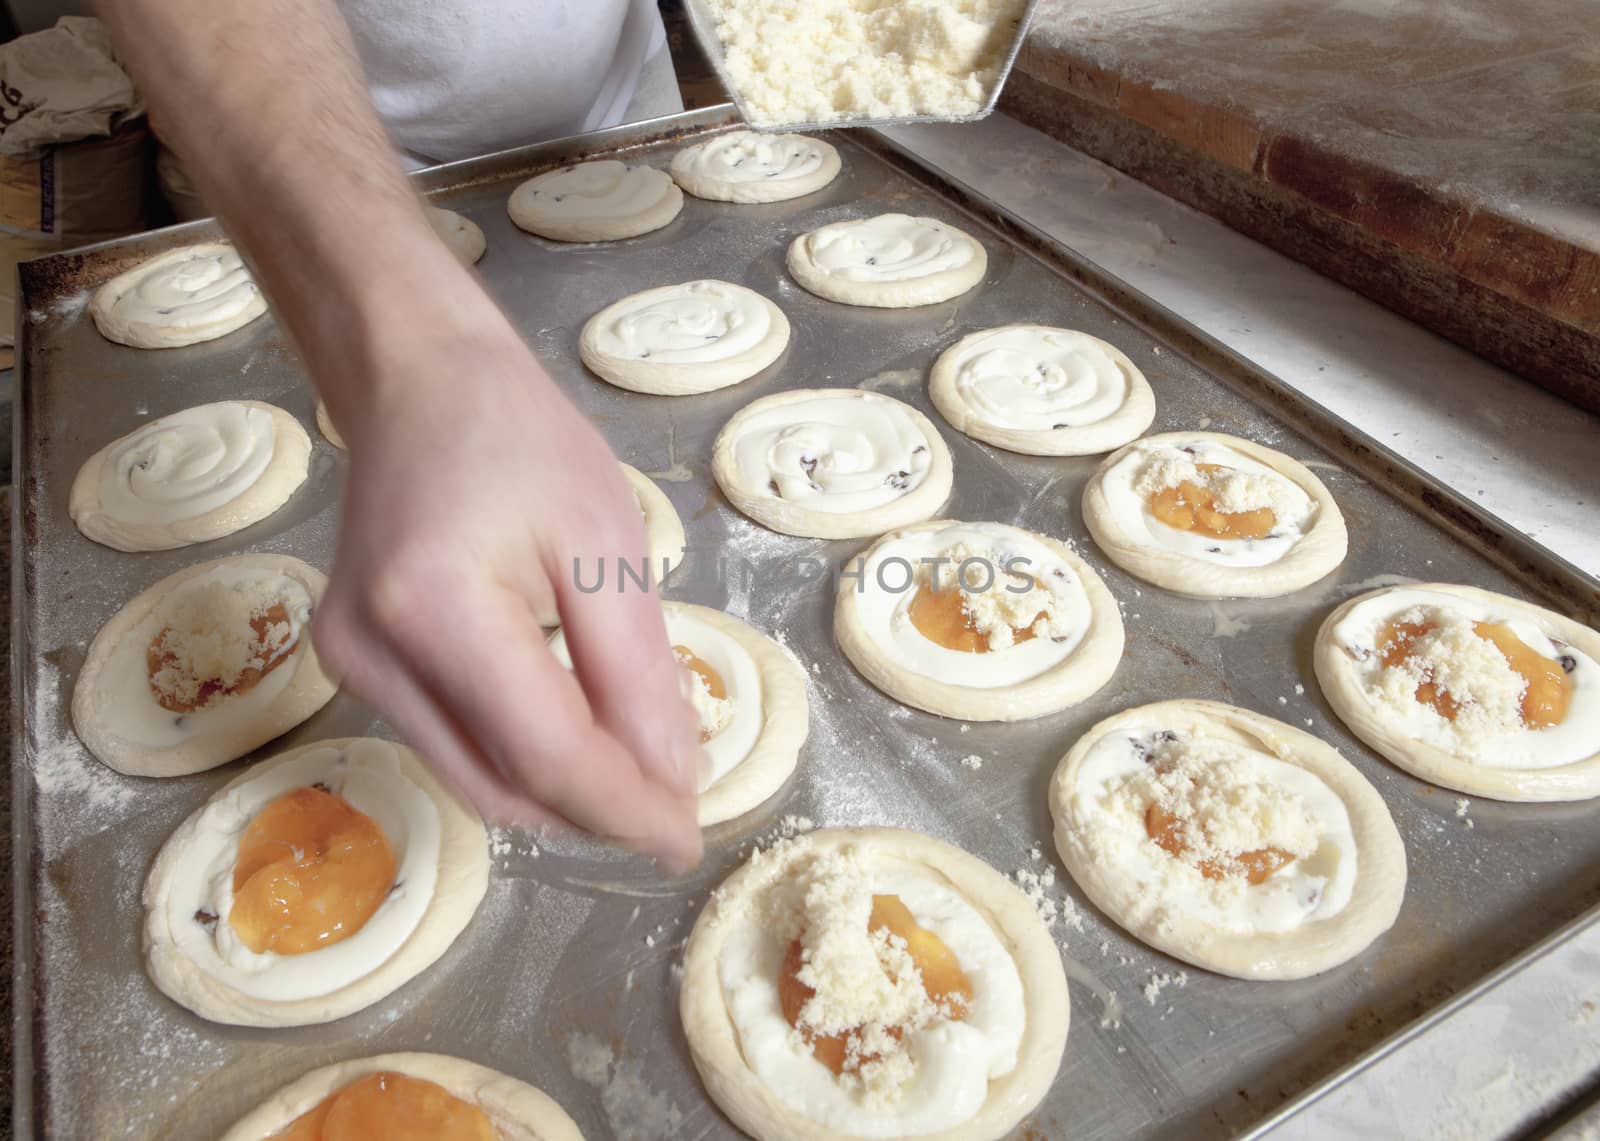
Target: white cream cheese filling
(885, 609)
(888, 248)
(837, 453)
(594, 191)
(954, 1060)
(1121, 486)
(751, 156)
(186, 464)
(125, 678)
(698, 322)
(1574, 738)
(1111, 798)
(196, 286)
(368, 775)
(1036, 378)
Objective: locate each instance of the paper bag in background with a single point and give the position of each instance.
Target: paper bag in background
(76, 156)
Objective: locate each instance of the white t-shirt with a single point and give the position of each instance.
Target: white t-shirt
(455, 78)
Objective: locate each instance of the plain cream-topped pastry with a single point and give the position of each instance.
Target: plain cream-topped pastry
(1227, 839)
(752, 167)
(832, 463)
(312, 885)
(595, 202)
(889, 261)
(1042, 391)
(181, 297)
(1213, 516)
(693, 337)
(979, 621)
(873, 983)
(1470, 689)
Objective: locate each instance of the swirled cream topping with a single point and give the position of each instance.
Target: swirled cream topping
(888, 248)
(191, 288)
(698, 322)
(750, 156)
(836, 452)
(1035, 378)
(187, 464)
(594, 190)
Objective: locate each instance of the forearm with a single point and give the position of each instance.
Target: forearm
(264, 102)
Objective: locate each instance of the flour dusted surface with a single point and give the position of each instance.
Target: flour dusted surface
(796, 61)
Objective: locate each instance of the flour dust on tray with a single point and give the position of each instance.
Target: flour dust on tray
(406, 1096)
(1228, 840)
(312, 885)
(873, 982)
(837, 60)
(1469, 689)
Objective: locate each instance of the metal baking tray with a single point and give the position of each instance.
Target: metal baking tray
(576, 944)
(704, 26)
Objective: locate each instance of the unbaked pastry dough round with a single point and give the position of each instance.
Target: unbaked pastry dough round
(181, 297)
(1070, 659)
(832, 463)
(681, 339)
(662, 528)
(459, 232)
(753, 167)
(441, 874)
(890, 261)
(1503, 762)
(190, 477)
(758, 732)
(117, 715)
(1198, 565)
(1314, 913)
(1042, 391)
(595, 202)
(325, 426)
(518, 1111)
(971, 907)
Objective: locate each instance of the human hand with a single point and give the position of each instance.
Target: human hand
(473, 486)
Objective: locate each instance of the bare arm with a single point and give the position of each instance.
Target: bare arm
(473, 482)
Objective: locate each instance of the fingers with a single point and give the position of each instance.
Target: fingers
(481, 653)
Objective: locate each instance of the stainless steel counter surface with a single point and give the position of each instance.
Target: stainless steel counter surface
(1509, 1065)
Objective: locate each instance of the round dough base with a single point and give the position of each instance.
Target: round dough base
(519, 1111)
(705, 184)
(526, 216)
(463, 235)
(908, 294)
(1321, 946)
(152, 335)
(462, 880)
(754, 1108)
(325, 426)
(1577, 780)
(1317, 555)
(663, 529)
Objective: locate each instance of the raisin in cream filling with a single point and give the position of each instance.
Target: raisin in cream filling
(1036, 378)
(1148, 469)
(594, 191)
(186, 464)
(750, 156)
(368, 775)
(888, 248)
(837, 453)
(1485, 737)
(940, 1077)
(736, 726)
(1007, 575)
(1231, 799)
(194, 287)
(698, 322)
(125, 678)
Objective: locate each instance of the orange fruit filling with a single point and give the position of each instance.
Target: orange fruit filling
(158, 657)
(941, 618)
(1256, 866)
(942, 979)
(1190, 507)
(310, 872)
(1549, 688)
(708, 674)
(394, 1107)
